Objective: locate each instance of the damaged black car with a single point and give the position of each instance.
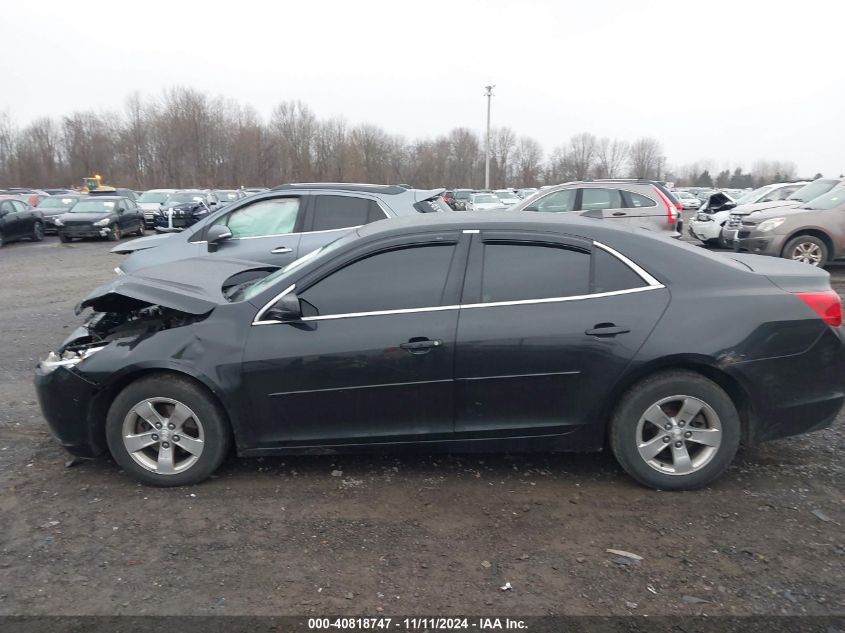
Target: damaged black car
(453, 332)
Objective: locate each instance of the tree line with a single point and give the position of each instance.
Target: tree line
(186, 138)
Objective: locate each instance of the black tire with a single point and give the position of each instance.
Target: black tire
(641, 397)
(811, 243)
(141, 230)
(64, 239)
(214, 425)
(115, 234)
(2, 239)
(37, 232)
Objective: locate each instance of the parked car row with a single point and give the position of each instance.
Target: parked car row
(801, 221)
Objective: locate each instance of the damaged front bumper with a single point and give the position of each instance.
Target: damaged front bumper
(66, 399)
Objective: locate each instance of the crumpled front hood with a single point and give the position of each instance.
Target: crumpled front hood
(747, 209)
(83, 218)
(776, 213)
(193, 286)
(150, 241)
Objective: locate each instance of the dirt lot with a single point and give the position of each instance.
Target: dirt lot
(392, 535)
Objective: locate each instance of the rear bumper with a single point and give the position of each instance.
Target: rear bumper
(704, 230)
(797, 393)
(66, 400)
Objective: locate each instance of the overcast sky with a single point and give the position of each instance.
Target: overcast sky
(728, 81)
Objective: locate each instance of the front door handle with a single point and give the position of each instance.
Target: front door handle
(606, 330)
(420, 345)
(280, 250)
(617, 213)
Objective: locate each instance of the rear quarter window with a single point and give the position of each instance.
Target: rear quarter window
(637, 201)
(610, 274)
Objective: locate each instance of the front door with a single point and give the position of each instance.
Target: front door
(371, 361)
(266, 230)
(547, 326)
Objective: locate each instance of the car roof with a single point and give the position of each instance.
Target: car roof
(344, 186)
(104, 197)
(471, 220)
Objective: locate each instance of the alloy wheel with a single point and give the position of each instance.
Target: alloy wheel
(807, 252)
(163, 435)
(678, 435)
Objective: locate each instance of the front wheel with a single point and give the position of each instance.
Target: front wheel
(808, 249)
(115, 234)
(675, 430)
(65, 239)
(167, 431)
(37, 232)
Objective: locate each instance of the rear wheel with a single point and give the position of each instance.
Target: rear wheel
(167, 431)
(676, 430)
(808, 249)
(37, 232)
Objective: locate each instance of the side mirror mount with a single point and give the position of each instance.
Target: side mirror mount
(216, 234)
(288, 308)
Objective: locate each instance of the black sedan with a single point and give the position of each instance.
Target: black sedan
(54, 206)
(459, 332)
(19, 221)
(110, 217)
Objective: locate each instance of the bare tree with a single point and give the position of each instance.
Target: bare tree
(646, 158)
(611, 158)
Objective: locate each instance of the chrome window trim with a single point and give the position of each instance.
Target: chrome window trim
(653, 284)
(645, 276)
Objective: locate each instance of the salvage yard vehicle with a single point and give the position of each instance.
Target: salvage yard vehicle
(183, 209)
(278, 226)
(150, 203)
(637, 203)
(484, 202)
(456, 332)
(711, 218)
(54, 206)
(111, 217)
(813, 233)
(687, 200)
(19, 221)
(805, 194)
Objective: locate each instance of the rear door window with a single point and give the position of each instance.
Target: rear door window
(597, 198)
(341, 212)
(518, 271)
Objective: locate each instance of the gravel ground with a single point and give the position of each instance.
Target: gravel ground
(392, 535)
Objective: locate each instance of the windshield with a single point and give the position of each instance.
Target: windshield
(828, 200)
(57, 203)
(813, 190)
(93, 206)
(156, 197)
(506, 195)
(485, 198)
(682, 194)
(227, 195)
(753, 196)
(262, 284)
(462, 195)
(180, 198)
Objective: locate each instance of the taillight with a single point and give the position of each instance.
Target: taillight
(670, 208)
(826, 304)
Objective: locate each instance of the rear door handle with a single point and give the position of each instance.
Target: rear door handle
(420, 345)
(603, 330)
(279, 250)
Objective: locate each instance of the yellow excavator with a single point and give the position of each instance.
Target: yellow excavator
(95, 183)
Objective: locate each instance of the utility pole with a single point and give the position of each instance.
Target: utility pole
(488, 92)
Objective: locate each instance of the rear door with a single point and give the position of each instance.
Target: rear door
(547, 325)
(333, 215)
(14, 219)
(267, 230)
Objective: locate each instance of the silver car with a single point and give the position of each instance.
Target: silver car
(813, 233)
(642, 203)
